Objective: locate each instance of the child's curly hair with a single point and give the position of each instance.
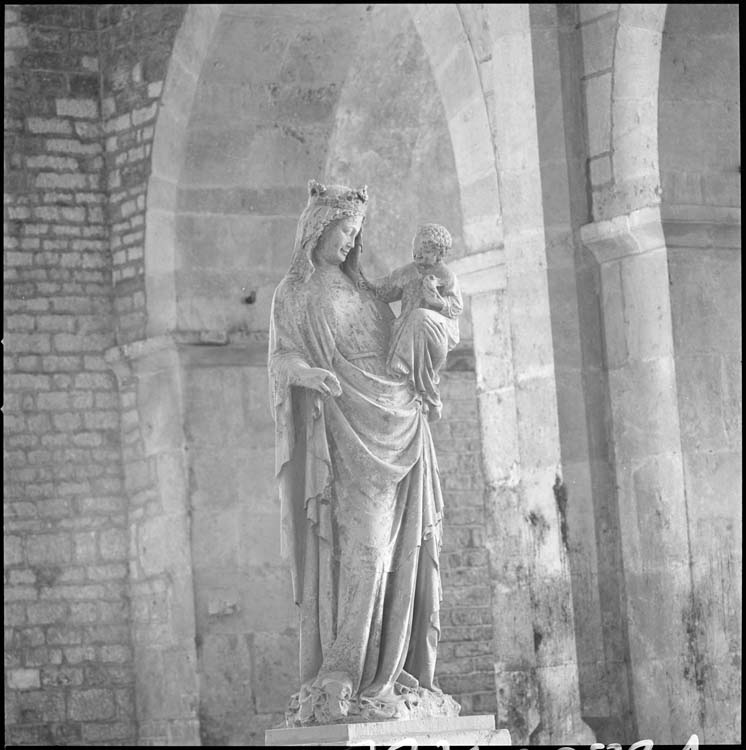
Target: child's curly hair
(435, 236)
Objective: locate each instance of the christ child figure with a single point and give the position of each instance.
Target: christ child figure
(427, 327)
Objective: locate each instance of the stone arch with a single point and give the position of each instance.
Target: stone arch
(481, 61)
(184, 201)
(169, 144)
(634, 103)
(454, 68)
(622, 104)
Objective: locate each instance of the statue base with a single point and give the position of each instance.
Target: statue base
(443, 731)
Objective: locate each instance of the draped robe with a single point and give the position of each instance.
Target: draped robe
(359, 489)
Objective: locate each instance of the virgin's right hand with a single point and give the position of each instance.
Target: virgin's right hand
(321, 380)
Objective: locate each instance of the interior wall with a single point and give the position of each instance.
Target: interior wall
(390, 133)
(262, 116)
(69, 666)
(699, 122)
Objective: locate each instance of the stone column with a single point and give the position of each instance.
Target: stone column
(161, 587)
(655, 548)
(536, 663)
(704, 267)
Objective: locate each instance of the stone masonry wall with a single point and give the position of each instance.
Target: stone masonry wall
(69, 676)
(465, 655)
(136, 43)
(598, 24)
(700, 160)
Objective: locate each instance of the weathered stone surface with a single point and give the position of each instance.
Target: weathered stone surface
(454, 109)
(357, 626)
(477, 730)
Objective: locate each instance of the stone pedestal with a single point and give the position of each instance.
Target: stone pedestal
(442, 731)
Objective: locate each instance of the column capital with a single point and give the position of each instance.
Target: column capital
(699, 227)
(635, 233)
(481, 272)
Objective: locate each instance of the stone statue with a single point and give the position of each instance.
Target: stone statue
(427, 328)
(358, 481)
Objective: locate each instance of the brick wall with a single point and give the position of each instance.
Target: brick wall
(136, 43)
(82, 87)
(68, 662)
(465, 654)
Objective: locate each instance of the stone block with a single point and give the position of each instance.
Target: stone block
(616, 352)
(49, 125)
(52, 677)
(462, 730)
(144, 114)
(112, 572)
(79, 654)
(48, 549)
(646, 307)
(536, 403)
(15, 36)
(23, 679)
(648, 423)
(91, 705)
(653, 527)
(701, 403)
(721, 189)
(599, 38)
(46, 613)
(113, 544)
(681, 186)
(38, 343)
(102, 420)
(635, 147)
(12, 550)
(705, 301)
(640, 48)
(530, 317)
(598, 104)
(155, 89)
(64, 181)
(86, 109)
(57, 163)
(600, 170)
(84, 546)
(116, 654)
(41, 706)
(276, 670)
(109, 733)
(226, 678)
(161, 545)
(589, 11)
(492, 346)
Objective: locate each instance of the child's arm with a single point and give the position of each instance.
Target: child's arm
(387, 288)
(453, 303)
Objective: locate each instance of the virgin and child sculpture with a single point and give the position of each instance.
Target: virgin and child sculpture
(353, 389)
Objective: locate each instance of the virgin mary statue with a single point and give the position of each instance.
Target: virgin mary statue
(358, 483)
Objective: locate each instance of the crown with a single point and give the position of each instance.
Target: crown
(338, 196)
